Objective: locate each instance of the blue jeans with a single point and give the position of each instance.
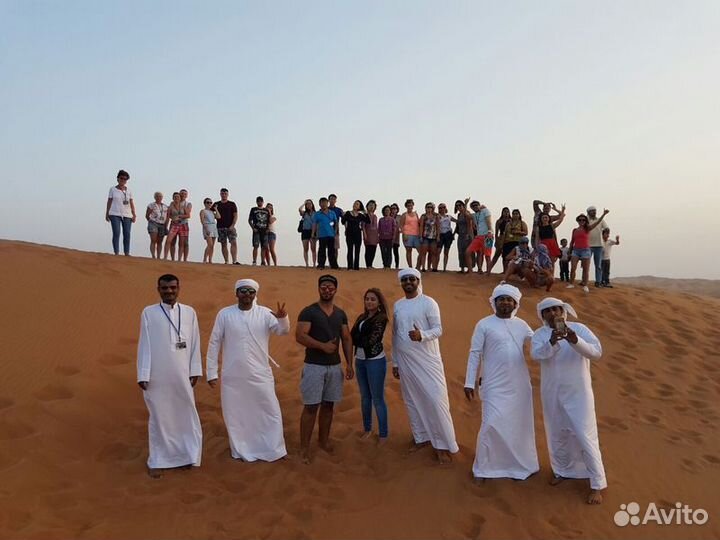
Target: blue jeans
(371, 380)
(597, 252)
(121, 223)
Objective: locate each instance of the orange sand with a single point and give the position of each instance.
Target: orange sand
(73, 425)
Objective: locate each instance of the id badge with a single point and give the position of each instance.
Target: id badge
(181, 345)
(126, 202)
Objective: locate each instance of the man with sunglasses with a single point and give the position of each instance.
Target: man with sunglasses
(321, 328)
(250, 407)
(417, 363)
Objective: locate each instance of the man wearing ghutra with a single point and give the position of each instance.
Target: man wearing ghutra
(250, 407)
(564, 350)
(418, 364)
(506, 441)
(168, 366)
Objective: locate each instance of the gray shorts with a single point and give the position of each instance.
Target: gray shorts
(157, 228)
(321, 383)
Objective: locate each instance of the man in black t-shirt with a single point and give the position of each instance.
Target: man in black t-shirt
(259, 220)
(226, 225)
(320, 328)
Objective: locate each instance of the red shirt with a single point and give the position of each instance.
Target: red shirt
(581, 238)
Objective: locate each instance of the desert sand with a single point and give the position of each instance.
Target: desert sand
(73, 424)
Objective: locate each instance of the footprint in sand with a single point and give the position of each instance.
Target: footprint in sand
(114, 360)
(10, 430)
(67, 371)
(473, 530)
(53, 392)
(563, 529)
(612, 423)
(118, 452)
(689, 465)
(715, 460)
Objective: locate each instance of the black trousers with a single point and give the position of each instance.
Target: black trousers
(386, 247)
(353, 241)
(564, 270)
(326, 251)
(370, 251)
(606, 272)
(396, 254)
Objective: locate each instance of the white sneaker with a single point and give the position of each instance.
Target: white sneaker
(586, 289)
(571, 286)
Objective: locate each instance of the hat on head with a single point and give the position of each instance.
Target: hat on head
(591, 208)
(549, 302)
(505, 289)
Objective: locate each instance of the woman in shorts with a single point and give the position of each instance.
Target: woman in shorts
(580, 250)
(430, 231)
(271, 236)
(446, 235)
(307, 211)
(208, 219)
(175, 215)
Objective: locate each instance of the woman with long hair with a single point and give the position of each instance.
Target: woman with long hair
(515, 230)
(465, 230)
(580, 249)
(500, 225)
(271, 236)
(174, 217)
(307, 211)
(429, 236)
(446, 235)
(395, 214)
(545, 233)
(353, 220)
(208, 219)
(370, 361)
(370, 233)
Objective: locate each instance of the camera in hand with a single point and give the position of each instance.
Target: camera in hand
(560, 326)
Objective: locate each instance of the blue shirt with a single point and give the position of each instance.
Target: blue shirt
(481, 221)
(326, 223)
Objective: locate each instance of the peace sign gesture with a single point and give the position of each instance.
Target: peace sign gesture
(280, 313)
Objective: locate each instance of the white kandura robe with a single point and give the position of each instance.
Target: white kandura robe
(174, 431)
(506, 440)
(422, 377)
(250, 406)
(569, 404)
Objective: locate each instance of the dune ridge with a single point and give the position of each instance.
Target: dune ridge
(73, 425)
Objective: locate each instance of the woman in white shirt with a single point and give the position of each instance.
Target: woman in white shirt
(208, 217)
(156, 216)
(120, 212)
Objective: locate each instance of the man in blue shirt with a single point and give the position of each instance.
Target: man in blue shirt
(325, 229)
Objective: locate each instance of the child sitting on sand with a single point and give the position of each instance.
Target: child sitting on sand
(608, 243)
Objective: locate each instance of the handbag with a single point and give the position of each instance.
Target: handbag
(300, 226)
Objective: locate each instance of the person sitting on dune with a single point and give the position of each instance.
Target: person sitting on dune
(564, 351)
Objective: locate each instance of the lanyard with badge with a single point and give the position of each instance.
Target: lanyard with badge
(180, 344)
(124, 194)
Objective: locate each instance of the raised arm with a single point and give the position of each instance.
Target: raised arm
(559, 219)
(540, 346)
(599, 220)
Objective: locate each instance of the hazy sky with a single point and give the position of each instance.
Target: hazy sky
(613, 104)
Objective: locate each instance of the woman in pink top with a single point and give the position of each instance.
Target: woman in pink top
(580, 249)
(410, 227)
(370, 233)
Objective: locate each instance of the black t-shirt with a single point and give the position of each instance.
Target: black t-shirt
(323, 328)
(260, 218)
(352, 223)
(227, 210)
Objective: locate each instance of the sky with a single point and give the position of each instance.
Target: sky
(611, 104)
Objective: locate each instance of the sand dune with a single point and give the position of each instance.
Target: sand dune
(700, 287)
(73, 425)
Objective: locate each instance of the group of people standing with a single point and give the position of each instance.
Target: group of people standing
(169, 365)
(480, 242)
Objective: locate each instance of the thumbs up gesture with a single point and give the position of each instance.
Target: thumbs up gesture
(415, 334)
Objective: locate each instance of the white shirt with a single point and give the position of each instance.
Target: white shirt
(158, 212)
(119, 198)
(607, 248)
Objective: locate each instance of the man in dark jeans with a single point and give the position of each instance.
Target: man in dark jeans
(320, 329)
(259, 220)
(325, 226)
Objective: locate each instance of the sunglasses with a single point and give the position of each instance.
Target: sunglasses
(208, 202)
(246, 290)
(408, 278)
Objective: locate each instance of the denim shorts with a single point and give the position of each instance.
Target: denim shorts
(271, 236)
(156, 228)
(321, 383)
(411, 241)
(428, 241)
(582, 253)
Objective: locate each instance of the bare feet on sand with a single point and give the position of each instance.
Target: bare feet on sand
(327, 447)
(305, 457)
(443, 456)
(555, 480)
(414, 447)
(595, 496)
(155, 473)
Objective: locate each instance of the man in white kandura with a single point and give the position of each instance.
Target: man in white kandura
(564, 350)
(418, 365)
(168, 366)
(506, 441)
(250, 407)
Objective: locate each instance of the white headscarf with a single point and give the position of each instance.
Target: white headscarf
(248, 283)
(412, 272)
(506, 289)
(552, 302)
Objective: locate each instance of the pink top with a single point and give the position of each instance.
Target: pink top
(370, 231)
(581, 238)
(386, 228)
(411, 226)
